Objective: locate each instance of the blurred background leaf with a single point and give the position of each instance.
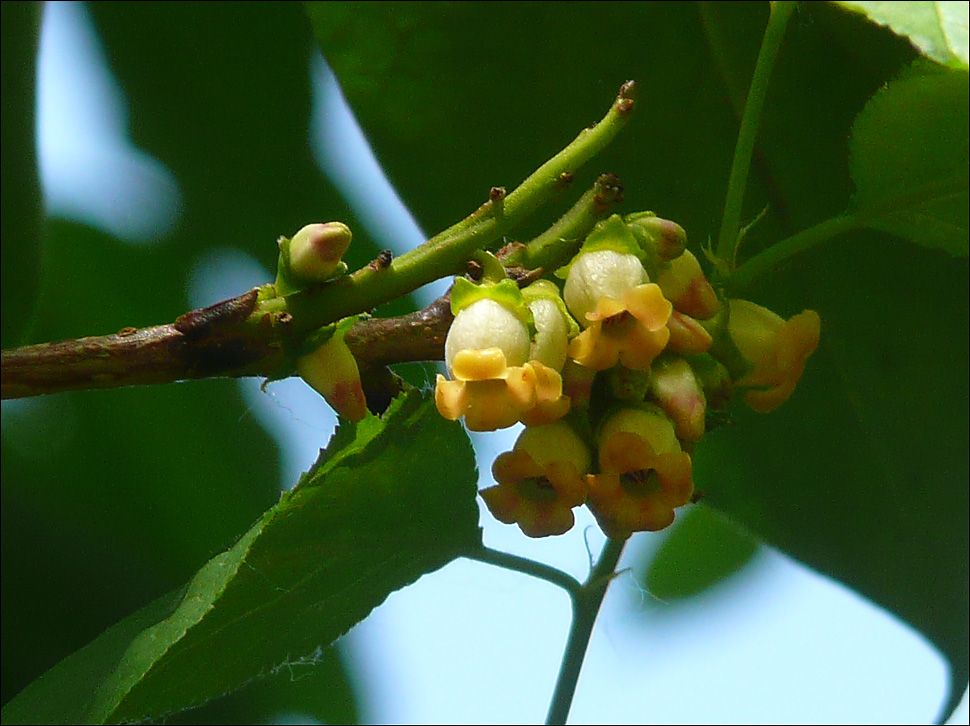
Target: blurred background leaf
(703, 549)
(21, 210)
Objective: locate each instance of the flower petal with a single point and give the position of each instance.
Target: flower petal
(479, 365)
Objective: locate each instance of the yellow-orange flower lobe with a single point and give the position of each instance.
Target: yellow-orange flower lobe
(632, 330)
(776, 348)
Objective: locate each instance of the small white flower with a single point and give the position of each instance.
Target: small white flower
(598, 274)
(552, 334)
(487, 324)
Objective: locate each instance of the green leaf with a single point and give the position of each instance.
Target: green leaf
(862, 474)
(910, 159)
(702, 550)
(389, 501)
(938, 29)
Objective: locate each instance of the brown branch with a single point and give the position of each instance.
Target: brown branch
(218, 341)
(255, 335)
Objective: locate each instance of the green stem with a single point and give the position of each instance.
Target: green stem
(562, 240)
(526, 566)
(769, 259)
(727, 242)
(586, 606)
(853, 219)
(447, 253)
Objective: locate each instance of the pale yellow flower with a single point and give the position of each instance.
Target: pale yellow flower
(631, 330)
(643, 475)
(540, 481)
(487, 392)
(777, 350)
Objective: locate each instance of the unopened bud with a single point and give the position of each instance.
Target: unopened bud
(316, 250)
(679, 394)
(598, 274)
(687, 336)
(684, 284)
(487, 324)
(666, 239)
(331, 370)
(553, 324)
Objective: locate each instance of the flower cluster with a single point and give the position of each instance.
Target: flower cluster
(613, 369)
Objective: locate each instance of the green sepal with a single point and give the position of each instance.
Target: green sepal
(285, 283)
(611, 234)
(546, 290)
(722, 347)
(648, 251)
(325, 334)
(289, 284)
(492, 268)
(505, 292)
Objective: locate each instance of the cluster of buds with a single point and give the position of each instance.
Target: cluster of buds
(613, 376)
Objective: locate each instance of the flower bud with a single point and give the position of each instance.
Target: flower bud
(316, 250)
(666, 239)
(687, 336)
(684, 284)
(331, 370)
(486, 323)
(554, 325)
(598, 274)
(677, 390)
